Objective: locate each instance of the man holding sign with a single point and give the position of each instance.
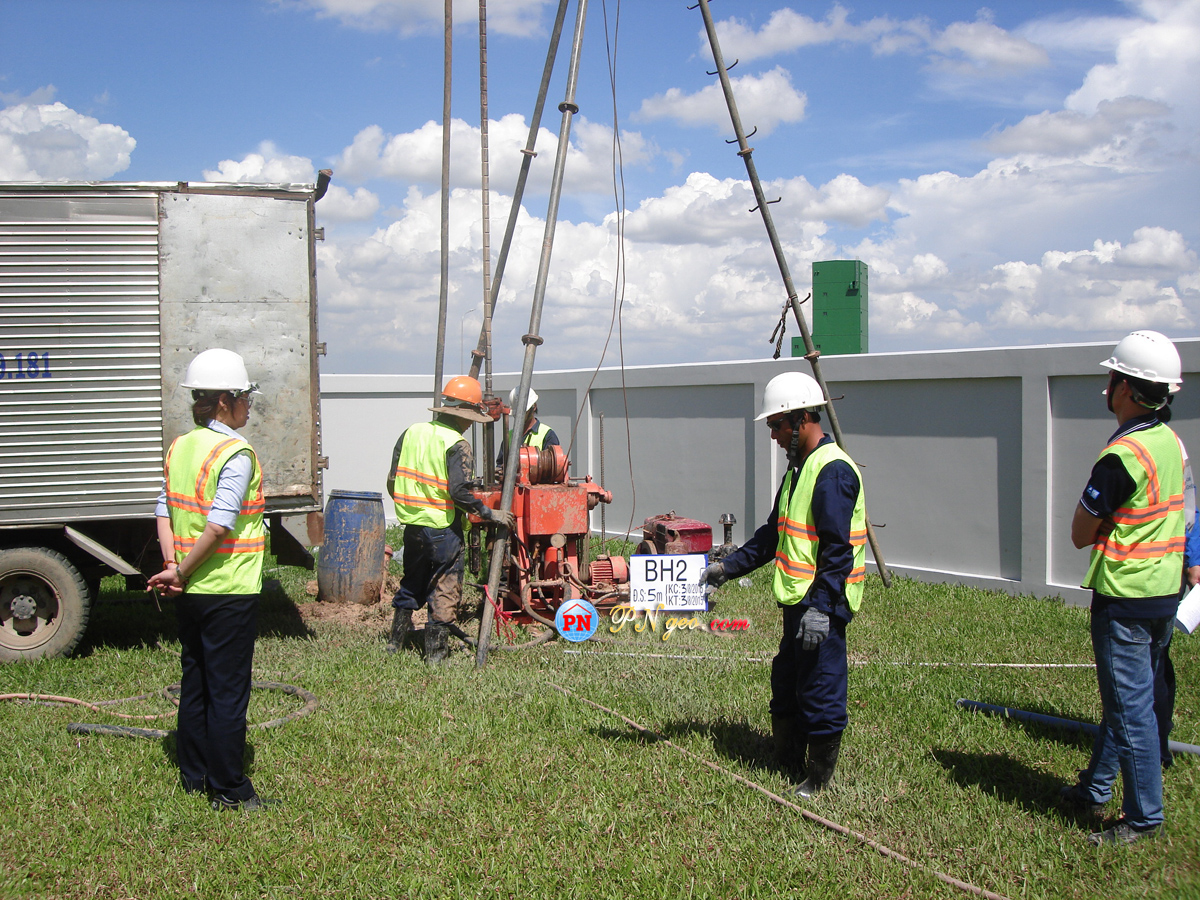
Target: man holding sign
(816, 537)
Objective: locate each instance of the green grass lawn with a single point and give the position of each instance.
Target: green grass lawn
(412, 782)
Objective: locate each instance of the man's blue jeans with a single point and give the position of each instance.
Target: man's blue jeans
(1127, 652)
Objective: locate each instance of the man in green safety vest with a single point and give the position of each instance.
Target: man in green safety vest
(816, 538)
(429, 480)
(536, 432)
(1132, 516)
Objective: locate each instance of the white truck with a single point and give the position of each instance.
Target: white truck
(107, 291)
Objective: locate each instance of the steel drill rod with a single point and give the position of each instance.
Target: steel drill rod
(485, 185)
(532, 339)
(746, 153)
(484, 349)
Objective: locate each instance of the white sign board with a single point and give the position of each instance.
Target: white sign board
(667, 582)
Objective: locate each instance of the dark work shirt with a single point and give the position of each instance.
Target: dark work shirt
(1109, 488)
(460, 465)
(551, 440)
(835, 492)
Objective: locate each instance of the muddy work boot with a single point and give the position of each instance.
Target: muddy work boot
(822, 760)
(790, 745)
(401, 628)
(437, 642)
(1078, 799)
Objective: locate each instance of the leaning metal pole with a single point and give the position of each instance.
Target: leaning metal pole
(484, 349)
(568, 108)
(444, 289)
(486, 213)
(745, 151)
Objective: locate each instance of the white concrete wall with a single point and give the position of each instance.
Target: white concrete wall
(973, 460)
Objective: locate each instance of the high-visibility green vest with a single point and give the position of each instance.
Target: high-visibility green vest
(1142, 556)
(192, 467)
(421, 486)
(796, 550)
(537, 436)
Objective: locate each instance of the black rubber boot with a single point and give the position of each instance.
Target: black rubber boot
(790, 745)
(401, 628)
(437, 643)
(822, 760)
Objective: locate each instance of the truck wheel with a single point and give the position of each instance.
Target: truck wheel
(44, 604)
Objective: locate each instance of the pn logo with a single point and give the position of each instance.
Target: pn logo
(577, 620)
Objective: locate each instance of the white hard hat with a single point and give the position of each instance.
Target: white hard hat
(218, 370)
(1147, 355)
(789, 391)
(512, 398)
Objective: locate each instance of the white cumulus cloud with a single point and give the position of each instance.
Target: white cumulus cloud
(51, 142)
(270, 165)
(766, 100)
(979, 47)
(415, 157)
(514, 17)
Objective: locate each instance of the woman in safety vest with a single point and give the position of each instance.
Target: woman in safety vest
(210, 530)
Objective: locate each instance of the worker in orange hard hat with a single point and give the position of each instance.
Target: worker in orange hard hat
(429, 480)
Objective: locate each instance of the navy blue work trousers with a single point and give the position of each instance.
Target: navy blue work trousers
(810, 685)
(217, 634)
(433, 571)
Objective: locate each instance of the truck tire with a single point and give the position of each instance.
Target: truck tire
(44, 604)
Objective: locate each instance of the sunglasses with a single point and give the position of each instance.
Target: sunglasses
(776, 424)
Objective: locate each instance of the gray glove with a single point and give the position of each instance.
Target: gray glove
(503, 517)
(714, 576)
(814, 628)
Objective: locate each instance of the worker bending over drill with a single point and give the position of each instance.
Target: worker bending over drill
(429, 480)
(816, 537)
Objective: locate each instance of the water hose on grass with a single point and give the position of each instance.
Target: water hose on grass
(1024, 715)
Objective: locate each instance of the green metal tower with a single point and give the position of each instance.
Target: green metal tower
(839, 308)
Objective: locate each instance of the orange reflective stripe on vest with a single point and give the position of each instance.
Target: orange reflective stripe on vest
(1142, 554)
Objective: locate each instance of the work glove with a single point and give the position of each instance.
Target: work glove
(714, 576)
(814, 628)
(503, 517)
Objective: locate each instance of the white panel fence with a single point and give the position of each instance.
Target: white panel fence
(973, 460)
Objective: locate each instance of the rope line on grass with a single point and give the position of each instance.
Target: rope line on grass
(879, 848)
(310, 705)
(853, 662)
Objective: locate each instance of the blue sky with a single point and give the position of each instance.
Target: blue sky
(1021, 174)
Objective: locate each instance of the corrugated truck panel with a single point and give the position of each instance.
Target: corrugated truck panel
(80, 398)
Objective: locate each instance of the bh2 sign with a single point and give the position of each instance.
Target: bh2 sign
(667, 582)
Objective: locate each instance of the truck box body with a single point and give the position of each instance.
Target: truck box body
(106, 295)
(107, 292)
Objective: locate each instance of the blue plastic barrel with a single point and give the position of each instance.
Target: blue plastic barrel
(350, 567)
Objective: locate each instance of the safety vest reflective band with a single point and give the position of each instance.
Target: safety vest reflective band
(1142, 555)
(421, 487)
(537, 437)
(193, 467)
(796, 549)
